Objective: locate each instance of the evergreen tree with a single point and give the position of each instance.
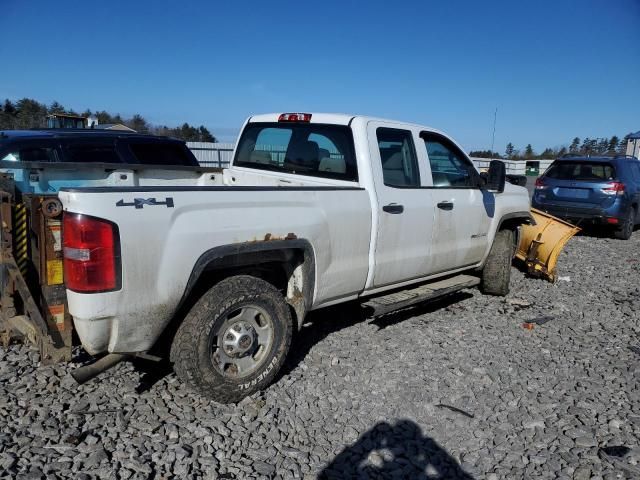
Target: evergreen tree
(31, 114)
(205, 135)
(509, 150)
(9, 107)
(613, 144)
(603, 145)
(575, 144)
(56, 107)
(548, 153)
(8, 116)
(103, 117)
(528, 151)
(138, 123)
(622, 146)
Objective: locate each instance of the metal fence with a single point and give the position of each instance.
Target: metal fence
(516, 167)
(221, 154)
(212, 154)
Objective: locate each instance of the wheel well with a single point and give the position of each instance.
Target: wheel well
(290, 270)
(514, 224)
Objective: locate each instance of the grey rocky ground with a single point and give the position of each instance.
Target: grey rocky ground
(458, 389)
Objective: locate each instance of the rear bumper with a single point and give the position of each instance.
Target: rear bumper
(580, 216)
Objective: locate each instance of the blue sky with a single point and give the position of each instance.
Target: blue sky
(554, 69)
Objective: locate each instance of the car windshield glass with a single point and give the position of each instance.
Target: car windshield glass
(586, 171)
(304, 149)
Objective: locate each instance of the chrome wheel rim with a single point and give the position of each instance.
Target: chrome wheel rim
(243, 342)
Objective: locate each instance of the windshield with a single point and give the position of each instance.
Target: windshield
(585, 171)
(304, 149)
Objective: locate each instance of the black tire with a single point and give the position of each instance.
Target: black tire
(625, 230)
(496, 273)
(198, 349)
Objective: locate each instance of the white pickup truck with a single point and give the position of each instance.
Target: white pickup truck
(316, 209)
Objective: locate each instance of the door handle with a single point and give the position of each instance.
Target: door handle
(445, 205)
(393, 208)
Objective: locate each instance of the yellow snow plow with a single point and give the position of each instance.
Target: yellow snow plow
(541, 244)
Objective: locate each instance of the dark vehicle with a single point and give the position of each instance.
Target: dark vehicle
(93, 146)
(592, 190)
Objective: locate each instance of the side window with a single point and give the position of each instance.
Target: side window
(31, 154)
(449, 167)
(161, 154)
(93, 153)
(398, 156)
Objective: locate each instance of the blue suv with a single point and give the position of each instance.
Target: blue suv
(592, 190)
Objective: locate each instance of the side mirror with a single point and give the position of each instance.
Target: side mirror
(497, 176)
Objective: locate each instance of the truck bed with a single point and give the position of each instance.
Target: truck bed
(334, 221)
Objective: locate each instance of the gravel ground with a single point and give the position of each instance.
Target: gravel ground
(458, 389)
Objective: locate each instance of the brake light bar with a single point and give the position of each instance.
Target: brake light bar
(295, 117)
(614, 188)
(91, 248)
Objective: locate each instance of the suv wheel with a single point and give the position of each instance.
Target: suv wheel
(496, 273)
(234, 340)
(625, 230)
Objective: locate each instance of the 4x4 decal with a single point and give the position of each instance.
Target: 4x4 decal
(141, 202)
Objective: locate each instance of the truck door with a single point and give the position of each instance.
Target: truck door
(462, 211)
(404, 211)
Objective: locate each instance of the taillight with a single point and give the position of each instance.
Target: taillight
(295, 117)
(540, 184)
(614, 188)
(91, 254)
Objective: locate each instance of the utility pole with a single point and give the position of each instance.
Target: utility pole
(493, 137)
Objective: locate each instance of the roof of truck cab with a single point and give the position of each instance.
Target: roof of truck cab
(334, 119)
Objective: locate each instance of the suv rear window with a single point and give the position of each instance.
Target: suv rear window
(93, 153)
(161, 154)
(305, 149)
(31, 154)
(587, 171)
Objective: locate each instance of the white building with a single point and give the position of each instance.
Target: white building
(633, 145)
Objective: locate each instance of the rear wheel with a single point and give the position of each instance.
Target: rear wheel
(625, 230)
(234, 340)
(496, 274)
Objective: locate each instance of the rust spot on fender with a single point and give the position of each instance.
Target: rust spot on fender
(269, 237)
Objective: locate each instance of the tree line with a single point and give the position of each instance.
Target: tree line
(586, 146)
(28, 113)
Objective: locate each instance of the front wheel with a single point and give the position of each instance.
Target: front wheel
(234, 340)
(496, 274)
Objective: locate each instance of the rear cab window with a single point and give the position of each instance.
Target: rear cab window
(581, 171)
(317, 150)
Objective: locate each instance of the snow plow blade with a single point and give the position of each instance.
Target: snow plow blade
(541, 244)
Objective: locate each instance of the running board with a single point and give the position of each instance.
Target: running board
(430, 291)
